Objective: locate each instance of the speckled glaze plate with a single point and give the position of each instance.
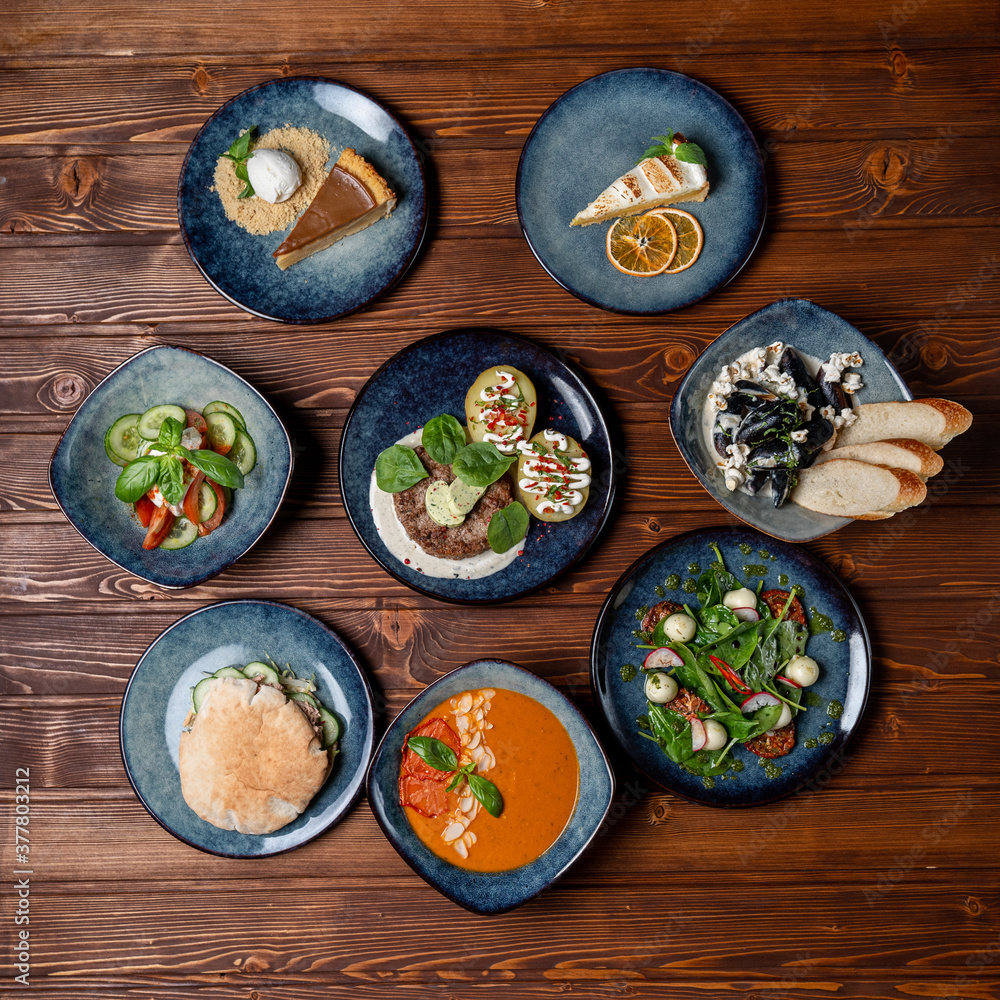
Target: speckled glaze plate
(845, 667)
(593, 134)
(810, 329)
(492, 892)
(431, 377)
(235, 633)
(333, 282)
(82, 478)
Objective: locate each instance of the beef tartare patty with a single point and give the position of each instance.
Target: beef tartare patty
(467, 538)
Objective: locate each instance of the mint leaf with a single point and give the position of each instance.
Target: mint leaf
(690, 152)
(239, 153)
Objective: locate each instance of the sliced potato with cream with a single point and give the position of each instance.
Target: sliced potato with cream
(553, 476)
(500, 408)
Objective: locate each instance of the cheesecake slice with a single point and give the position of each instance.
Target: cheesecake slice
(659, 180)
(353, 197)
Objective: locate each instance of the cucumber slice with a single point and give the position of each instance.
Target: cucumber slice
(230, 672)
(199, 691)
(122, 440)
(150, 421)
(207, 503)
(182, 534)
(302, 696)
(243, 453)
(331, 727)
(271, 676)
(217, 406)
(222, 431)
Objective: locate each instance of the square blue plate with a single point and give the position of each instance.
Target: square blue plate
(233, 634)
(492, 892)
(82, 477)
(810, 329)
(597, 131)
(334, 282)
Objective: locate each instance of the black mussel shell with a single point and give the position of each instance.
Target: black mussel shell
(774, 454)
(778, 416)
(782, 483)
(726, 423)
(832, 392)
(753, 389)
(755, 481)
(791, 364)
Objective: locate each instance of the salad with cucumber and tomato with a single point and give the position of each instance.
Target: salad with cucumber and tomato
(733, 670)
(179, 468)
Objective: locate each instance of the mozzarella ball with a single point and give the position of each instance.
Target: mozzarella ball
(660, 687)
(783, 719)
(716, 733)
(680, 628)
(804, 670)
(742, 598)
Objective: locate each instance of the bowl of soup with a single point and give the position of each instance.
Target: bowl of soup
(490, 784)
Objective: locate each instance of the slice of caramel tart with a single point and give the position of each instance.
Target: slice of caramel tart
(353, 197)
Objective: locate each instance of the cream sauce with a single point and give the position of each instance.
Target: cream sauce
(560, 480)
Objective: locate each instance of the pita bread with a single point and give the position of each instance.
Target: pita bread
(251, 761)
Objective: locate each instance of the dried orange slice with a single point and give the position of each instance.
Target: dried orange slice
(642, 245)
(690, 237)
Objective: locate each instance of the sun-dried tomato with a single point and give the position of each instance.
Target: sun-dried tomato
(658, 612)
(775, 601)
(439, 730)
(773, 744)
(688, 704)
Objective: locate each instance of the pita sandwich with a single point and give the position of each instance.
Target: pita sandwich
(251, 760)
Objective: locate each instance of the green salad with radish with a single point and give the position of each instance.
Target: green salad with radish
(179, 468)
(731, 670)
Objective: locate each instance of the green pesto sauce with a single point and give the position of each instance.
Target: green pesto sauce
(659, 591)
(627, 672)
(672, 582)
(835, 709)
(637, 633)
(755, 569)
(690, 586)
(640, 613)
(838, 635)
(810, 743)
(708, 781)
(812, 699)
(782, 579)
(819, 623)
(797, 589)
(746, 548)
(825, 737)
(694, 568)
(774, 558)
(770, 768)
(764, 554)
(737, 766)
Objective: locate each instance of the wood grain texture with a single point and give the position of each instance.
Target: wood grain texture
(879, 123)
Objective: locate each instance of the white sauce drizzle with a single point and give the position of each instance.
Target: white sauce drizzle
(506, 442)
(543, 472)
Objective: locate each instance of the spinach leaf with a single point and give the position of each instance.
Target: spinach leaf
(444, 438)
(507, 527)
(398, 468)
(738, 725)
(217, 467)
(672, 732)
(480, 464)
(433, 752)
(137, 478)
(170, 434)
(763, 663)
(791, 639)
(716, 621)
(171, 481)
(764, 719)
(735, 647)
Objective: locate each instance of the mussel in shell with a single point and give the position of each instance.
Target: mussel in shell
(782, 483)
(832, 392)
(725, 427)
(777, 416)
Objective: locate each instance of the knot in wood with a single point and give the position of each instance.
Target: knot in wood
(659, 811)
(934, 355)
(653, 524)
(202, 81)
(77, 179)
(974, 906)
(899, 66)
(256, 963)
(677, 359)
(888, 167)
(63, 392)
(844, 566)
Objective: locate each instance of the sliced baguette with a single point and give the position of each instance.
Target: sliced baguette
(845, 487)
(932, 421)
(898, 453)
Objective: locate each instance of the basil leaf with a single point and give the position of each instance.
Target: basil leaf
(217, 467)
(433, 752)
(690, 152)
(398, 468)
(487, 793)
(172, 479)
(137, 478)
(507, 527)
(480, 464)
(444, 438)
(170, 434)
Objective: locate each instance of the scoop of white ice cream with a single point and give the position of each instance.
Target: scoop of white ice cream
(274, 175)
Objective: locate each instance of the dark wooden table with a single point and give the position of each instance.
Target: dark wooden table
(880, 125)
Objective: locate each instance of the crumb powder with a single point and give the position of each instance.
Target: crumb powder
(310, 151)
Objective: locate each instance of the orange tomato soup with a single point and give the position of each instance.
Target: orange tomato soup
(536, 771)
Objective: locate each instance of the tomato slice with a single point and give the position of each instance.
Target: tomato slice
(206, 527)
(775, 744)
(439, 730)
(196, 420)
(144, 508)
(427, 796)
(191, 498)
(159, 526)
(775, 601)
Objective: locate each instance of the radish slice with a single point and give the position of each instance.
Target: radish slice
(758, 700)
(699, 736)
(746, 614)
(787, 680)
(662, 659)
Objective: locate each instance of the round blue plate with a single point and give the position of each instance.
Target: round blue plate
(597, 131)
(492, 892)
(334, 282)
(82, 477)
(431, 377)
(845, 667)
(811, 330)
(235, 633)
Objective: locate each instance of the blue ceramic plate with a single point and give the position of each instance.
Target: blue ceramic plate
(492, 892)
(810, 329)
(597, 131)
(236, 633)
(334, 282)
(82, 477)
(845, 667)
(432, 377)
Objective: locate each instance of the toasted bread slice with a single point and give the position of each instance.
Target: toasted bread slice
(899, 453)
(845, 487)
(932, 421)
